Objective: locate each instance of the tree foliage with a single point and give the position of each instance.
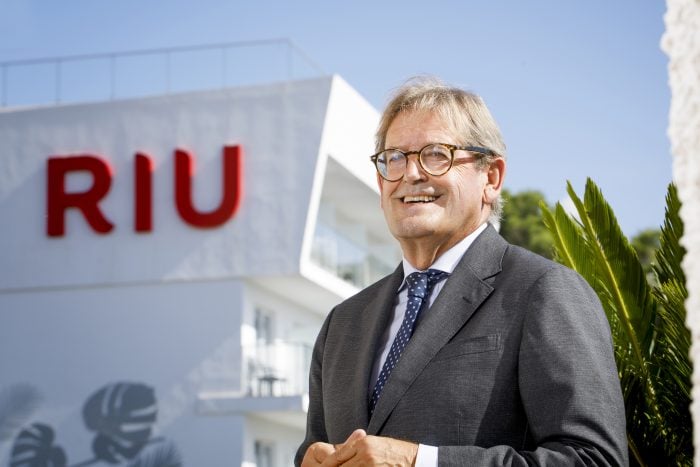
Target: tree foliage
(647, 320)
(645, 244)
(522, 224)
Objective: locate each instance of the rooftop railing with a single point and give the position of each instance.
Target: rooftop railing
(138, 73)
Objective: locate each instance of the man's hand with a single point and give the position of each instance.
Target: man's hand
(360, 450)
(316, 454)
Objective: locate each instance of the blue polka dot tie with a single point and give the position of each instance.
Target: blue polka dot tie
(419, 286)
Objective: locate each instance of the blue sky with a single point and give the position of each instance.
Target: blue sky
(578, 88)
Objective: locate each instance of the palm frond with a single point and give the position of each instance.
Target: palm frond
(646, 320)
(571, 247)
(636, 307)
(670, 360)
(671, 252)
(619, 265)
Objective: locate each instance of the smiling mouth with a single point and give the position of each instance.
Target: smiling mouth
(419, 199)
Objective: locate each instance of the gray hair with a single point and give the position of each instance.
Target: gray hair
(465, 113)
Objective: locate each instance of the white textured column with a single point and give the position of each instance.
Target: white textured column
(681, 42)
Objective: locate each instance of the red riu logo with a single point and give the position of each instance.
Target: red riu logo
(58, 200)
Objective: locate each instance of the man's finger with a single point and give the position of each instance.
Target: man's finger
(316, 454)
(355, 435)
(347, 450)
(321, 451)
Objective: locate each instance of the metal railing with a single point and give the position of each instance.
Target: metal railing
(109, 76)
(276, 369)
(346, 258)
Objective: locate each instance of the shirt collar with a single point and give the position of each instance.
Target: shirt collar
(447, 261)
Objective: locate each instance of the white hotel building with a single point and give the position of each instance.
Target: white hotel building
(152, 339)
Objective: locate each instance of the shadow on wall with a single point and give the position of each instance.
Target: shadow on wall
(120, 414)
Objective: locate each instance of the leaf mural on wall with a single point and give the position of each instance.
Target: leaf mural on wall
(34, 448)
(17, 404)
(123, 415)
(162, 454)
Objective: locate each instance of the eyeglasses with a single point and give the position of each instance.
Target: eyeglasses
(435, 159)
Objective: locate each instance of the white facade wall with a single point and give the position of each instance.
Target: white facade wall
(279, 129)
(178, 309)
(681, 42)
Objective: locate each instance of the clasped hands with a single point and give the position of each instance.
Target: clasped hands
(361, 449)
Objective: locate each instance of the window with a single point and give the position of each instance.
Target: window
(263, 327)
(264, 453)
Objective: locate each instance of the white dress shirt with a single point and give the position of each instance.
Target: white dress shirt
(427, 455)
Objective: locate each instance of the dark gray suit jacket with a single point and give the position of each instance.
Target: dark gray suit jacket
(512, 365)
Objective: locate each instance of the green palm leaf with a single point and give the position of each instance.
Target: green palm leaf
(570, 243)
(618, 264)
(671, 253)
(670, 361)
(647, 322)
(626, 295)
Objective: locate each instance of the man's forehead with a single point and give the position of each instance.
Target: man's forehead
(421, 123)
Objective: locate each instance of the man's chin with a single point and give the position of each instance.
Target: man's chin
(412, 231)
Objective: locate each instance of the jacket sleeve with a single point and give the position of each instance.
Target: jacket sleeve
(568, 383)
(315, 423)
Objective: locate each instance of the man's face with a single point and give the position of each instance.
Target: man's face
(444, 209)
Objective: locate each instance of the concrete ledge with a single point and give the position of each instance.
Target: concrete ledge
(234, 403)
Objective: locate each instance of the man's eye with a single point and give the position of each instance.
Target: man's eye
(436, 154)
(393, 157)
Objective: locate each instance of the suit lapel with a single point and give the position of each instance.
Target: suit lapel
(462, 294)
(377, 316)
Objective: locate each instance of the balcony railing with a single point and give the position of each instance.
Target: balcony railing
(347, 259)
(138, 73)
(276, 369)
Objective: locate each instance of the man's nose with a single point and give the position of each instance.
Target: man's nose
(414, 171)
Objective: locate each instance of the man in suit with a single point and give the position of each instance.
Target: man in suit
(474, 351)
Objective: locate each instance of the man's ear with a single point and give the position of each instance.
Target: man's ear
(495, 175)
(380, 184)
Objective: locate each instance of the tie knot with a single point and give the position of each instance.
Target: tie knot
(421, 283)
(435, 276)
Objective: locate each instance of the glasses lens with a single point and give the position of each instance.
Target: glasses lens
(391, 164)
(436, 159)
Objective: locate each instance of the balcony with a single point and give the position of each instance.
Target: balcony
(348, 259)
(350, 246)
(274, 386)
(276, 370)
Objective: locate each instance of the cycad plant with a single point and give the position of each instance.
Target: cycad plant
(647, 319)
